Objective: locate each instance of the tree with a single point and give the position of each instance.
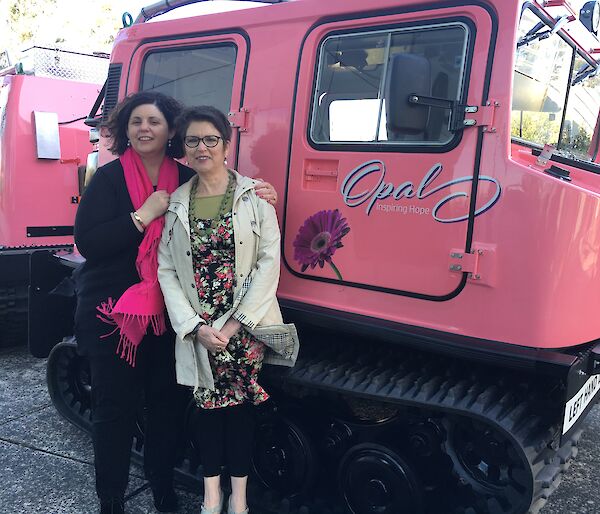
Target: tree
(538, 127)
(71, 24)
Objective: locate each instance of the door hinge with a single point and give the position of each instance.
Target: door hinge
(481, 116)
(479, 264)
(462, 262)
(239, 119)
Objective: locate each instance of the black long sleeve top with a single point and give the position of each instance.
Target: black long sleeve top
(107, 237)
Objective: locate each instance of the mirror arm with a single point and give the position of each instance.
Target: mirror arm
(457, 110)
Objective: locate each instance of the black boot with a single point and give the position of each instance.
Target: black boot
(165, 499)
(112, 507)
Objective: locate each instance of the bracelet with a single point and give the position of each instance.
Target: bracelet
(137, 218)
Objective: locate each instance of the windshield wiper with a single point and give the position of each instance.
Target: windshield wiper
(584, 72)
(531, 34)
(534, 34)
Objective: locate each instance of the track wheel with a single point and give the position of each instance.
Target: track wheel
(373, 479)
(488, 462)
(284, 458)
(68, 377)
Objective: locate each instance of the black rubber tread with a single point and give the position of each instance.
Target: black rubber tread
(417, 383)
(420, 383)
(13, 315)
(67, 399)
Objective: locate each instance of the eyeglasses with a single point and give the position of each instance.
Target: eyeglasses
(194, 141)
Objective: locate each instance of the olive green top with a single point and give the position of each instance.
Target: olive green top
(207, 207)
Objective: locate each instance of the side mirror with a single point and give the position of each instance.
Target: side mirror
(408, 75)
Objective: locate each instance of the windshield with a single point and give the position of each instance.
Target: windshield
(556, 93)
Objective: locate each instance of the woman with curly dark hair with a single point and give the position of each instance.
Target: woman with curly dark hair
(120, 321)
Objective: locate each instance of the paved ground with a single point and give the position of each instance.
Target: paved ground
(46, 464)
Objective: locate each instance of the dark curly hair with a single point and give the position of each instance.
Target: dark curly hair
(203, 113)
(119, 118)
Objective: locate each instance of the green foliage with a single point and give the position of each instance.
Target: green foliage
(578, 145)
(538, 127)
(26, 15)
(71, 24)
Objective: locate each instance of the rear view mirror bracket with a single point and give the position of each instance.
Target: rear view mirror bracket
(458, 111)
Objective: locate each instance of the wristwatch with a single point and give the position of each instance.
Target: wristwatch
(195, 330)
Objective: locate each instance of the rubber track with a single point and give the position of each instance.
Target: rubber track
(13, 316)
(419, 381)
(413, 382)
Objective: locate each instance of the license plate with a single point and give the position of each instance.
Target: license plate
(576, 406)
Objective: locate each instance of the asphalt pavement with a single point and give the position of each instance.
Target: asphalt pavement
(46, 464)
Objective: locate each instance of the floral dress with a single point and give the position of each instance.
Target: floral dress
(236, 370)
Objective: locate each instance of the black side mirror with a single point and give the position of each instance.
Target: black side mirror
(408, 75)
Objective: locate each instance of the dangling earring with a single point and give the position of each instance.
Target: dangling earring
(128, 143)
(225, 161)
(169, 143)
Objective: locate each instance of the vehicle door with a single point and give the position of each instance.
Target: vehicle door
(384, 181)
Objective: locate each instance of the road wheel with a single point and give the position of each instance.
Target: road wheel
(487, 462)
(284, 457)
(68, 378)
(373, 479)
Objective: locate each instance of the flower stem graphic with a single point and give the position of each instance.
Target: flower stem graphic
(337, 271)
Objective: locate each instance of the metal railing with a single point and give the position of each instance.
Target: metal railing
(64, 64)
(164, 6)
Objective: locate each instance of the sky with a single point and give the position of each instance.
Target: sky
(134, 6)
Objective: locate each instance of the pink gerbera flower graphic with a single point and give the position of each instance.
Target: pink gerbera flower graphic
(318, 239)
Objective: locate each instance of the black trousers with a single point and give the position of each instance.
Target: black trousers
(226, 438)
(117, 393)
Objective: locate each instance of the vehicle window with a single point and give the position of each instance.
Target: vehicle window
(353, 83)
(556, 93)
(541, 78)
(581, 114)
(194, 76)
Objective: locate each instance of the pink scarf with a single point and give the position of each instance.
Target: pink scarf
(142, 304)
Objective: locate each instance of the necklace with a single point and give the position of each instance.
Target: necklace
(227, 196)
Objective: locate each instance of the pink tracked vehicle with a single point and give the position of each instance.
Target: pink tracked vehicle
(439, 176)
(43, 152)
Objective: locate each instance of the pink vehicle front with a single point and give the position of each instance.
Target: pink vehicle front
(437, 164)
(44, 146)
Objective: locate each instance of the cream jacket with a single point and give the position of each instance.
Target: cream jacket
(257, 252)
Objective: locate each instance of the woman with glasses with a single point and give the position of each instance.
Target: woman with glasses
(219, 271)
(120, 321)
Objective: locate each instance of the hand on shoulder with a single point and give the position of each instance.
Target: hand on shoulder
(265, 191)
